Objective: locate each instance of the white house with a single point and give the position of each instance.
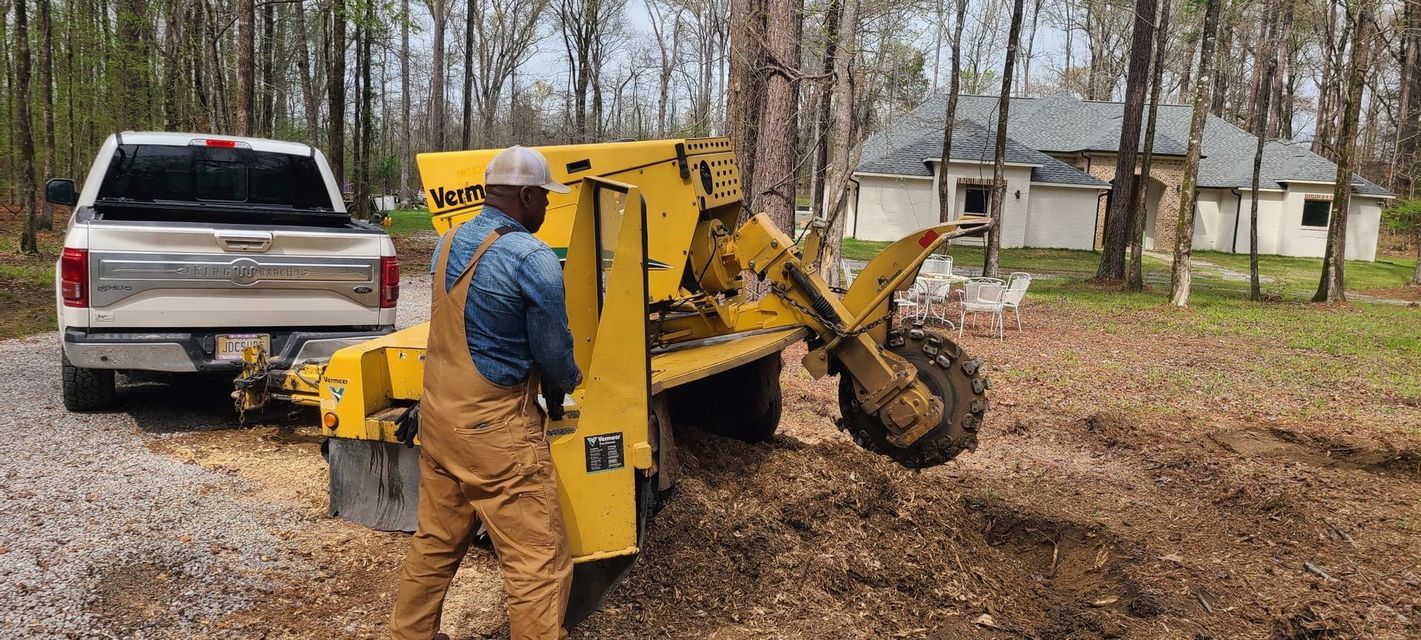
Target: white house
(1060, 156)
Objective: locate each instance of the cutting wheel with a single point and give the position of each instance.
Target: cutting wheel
(950, 374)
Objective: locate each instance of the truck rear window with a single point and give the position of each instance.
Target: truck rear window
(218, 175)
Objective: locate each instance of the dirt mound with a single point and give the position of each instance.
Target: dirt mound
(786, 539)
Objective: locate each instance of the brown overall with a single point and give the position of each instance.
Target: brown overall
(483, 457)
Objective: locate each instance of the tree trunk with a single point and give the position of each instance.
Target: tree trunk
(823, 114)
(303, 64)
(775, 154)
(357, 124)
(1134, 275)
(746, 90)
(440, 13)
(999, 183)
(469, 27)
(1410, 106)
(1184, 230)
(1118, 213)
(336, 78)
(367, 122)
(406, 193)
(843, 135)
(29, 239)
(266, 125)
(1263, 95)
(246, 65)
(1284, 61)
(46, 96)
(945, 200)
(1330, 286)
(132, 69)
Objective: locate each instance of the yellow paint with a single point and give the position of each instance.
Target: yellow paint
(623, 301)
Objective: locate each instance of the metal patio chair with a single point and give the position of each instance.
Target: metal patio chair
(1017, 283)
(983, 295)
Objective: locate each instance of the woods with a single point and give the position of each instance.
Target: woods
(798, 84)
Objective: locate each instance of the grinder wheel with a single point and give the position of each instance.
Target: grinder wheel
(950, 374)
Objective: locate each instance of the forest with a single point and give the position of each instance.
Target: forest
(374, 83)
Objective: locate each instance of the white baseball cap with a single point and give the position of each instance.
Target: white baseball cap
(522, 167)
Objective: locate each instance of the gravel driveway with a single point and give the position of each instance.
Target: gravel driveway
(101, 536)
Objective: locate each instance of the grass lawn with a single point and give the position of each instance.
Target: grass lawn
(406, 221)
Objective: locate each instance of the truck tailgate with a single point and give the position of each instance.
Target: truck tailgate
(232, 276)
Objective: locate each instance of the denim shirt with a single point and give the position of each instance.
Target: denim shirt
(515, 315)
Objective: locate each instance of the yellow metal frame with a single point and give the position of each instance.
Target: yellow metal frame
(638, 217)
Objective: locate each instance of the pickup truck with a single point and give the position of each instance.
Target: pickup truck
(184, 249)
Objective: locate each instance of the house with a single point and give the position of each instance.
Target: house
(1060, 159)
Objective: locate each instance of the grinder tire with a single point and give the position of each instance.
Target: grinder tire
(950, 374)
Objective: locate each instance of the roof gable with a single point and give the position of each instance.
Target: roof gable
(1064, 124)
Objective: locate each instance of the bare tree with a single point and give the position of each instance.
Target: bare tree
(469, 30)
(1404, 164)
(1134, 275)
(842, 136)
(1117, 213)
(999, 182)
(508, 29)
(336, 77)
(29, 239)
(1263, 90)
(1330, 286)
(46, 96)
(775, 167)
(303, 64)
(944, 186)
(406, 193)
(746, 89)
(246, 65)
(439, 11)
(1188, 195)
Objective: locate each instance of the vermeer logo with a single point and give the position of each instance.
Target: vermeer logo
(456, 197)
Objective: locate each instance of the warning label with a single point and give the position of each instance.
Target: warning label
(604, 452)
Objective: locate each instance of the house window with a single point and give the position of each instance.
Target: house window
(978, 201)
(1316, 213)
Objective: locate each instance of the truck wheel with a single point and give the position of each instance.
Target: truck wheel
(86, 389)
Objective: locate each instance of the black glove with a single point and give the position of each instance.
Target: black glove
(552, 396)
(407, 425)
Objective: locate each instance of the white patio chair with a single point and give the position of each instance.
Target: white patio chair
(910, 302)
(935, 295)
(983, 295)
(848, 274)
(938, 265)
(1017, 283)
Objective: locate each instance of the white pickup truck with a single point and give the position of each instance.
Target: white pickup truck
(184, 249)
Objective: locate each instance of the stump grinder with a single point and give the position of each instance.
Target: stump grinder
(679, 313)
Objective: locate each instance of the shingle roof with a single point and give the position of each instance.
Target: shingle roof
(1065, 124)
(971, 143)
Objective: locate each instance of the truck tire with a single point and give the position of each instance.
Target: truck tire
(86, 389)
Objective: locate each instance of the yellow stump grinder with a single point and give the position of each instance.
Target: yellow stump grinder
(658, 271)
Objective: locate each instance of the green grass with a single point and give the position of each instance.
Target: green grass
(41, 273)
(406, 221)
(1295, 277)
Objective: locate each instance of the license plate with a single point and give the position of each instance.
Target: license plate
(229, 347)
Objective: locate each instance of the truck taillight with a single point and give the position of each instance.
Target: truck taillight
(74, 277)
(389, 281)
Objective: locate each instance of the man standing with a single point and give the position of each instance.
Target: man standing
(497, 320)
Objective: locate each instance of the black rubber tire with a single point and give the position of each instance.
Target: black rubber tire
(743, 403)
(962, 385)
(86, 389)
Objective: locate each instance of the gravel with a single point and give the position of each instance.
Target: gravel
(90, 516)
(97, 531)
